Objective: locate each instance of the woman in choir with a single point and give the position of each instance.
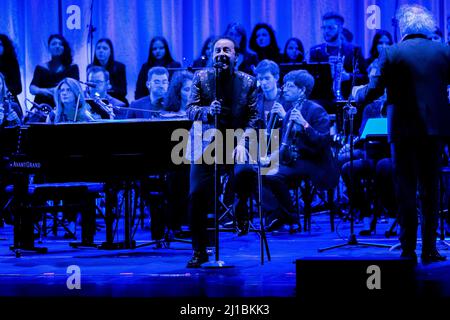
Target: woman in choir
(264, 43)
(205, 59)
(70, 103)
(294, 52)
(9, 66)
(381, 39)
(179, 91)
(246, 61)
(104, 57)
(158, 55)
(47, 76)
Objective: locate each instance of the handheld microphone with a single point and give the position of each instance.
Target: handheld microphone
(221, 61)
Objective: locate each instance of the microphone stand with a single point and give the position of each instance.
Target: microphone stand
(350, 112)
(217, 264)
(90, 37)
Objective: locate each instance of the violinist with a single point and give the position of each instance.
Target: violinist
(305, 151)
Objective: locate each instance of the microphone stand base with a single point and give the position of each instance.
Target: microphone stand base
(216, 265)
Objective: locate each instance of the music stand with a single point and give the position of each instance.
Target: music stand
(373, 128)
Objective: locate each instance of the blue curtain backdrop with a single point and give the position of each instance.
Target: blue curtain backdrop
(185, 23)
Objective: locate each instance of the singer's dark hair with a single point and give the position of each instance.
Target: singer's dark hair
(236, 48)
(151, 60)
(66, 57)
(110, 61)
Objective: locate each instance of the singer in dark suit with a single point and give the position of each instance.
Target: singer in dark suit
(415, 73)
(233, 100)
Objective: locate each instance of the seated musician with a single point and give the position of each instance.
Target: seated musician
(371, 162)
(157, 84)
(269, 99)
(10, 112)
(178, 93)
(310, 153)
(99, 77)
(70, 103)
(71, 106)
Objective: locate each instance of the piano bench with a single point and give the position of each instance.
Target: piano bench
(65, 197)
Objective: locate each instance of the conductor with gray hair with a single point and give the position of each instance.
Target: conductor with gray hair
(415, 74)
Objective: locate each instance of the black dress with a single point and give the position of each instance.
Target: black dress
(11, 71)
(117, 79)
(43, 77)
(141, 88)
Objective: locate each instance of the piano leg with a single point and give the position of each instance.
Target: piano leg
(87, 224)
(23, 219)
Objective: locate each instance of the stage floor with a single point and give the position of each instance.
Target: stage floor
(148, 272)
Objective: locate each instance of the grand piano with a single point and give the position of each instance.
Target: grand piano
(115, 152)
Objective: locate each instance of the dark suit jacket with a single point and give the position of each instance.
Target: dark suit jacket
(244, 112)
(313, 144)
(415, 73)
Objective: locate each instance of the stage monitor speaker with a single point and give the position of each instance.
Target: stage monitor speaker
(346, 277)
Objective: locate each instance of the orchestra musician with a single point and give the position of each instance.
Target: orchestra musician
(70, 103)
(157, 85)
(98, 84)
(415, 73)
(304, 152)
(339, 53)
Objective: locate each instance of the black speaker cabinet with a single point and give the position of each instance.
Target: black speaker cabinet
(351, 277)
